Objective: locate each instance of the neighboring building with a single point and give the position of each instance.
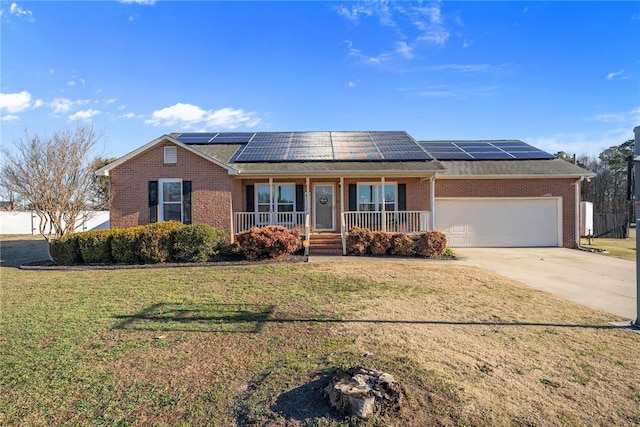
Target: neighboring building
(480, 193)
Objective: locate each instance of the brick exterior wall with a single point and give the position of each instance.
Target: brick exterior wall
(216, 195)
(563, 188)
(212, 195)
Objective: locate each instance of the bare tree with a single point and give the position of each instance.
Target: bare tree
(53, 176)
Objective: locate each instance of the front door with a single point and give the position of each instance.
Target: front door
(323, 204)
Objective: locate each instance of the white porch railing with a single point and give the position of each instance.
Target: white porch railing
(390, 221)
(244, 221)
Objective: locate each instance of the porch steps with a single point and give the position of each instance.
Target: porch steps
(325, 244)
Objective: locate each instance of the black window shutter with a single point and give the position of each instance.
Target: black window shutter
(251, 201)
(402, 197)
(186, 202)
(299, 198)
(153, 201)
(353, 197)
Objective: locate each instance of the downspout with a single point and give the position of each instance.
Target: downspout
(577, 209)
(342, 227)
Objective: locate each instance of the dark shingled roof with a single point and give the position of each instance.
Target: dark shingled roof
(513, 168)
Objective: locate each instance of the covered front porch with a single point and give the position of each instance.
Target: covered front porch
(335, 206)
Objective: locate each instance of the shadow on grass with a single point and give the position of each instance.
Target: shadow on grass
(198, 317)
(302, 404)
(251, 318)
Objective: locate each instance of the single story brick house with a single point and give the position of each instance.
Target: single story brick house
(497, 193)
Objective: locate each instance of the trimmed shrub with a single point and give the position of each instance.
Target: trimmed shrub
(156, 241)
(431, 244)
(402, 245)
(380, 242)
(95, 246)
(198, 242)
(125, 245)
(65, 250)
(272, 241)
(359, 241)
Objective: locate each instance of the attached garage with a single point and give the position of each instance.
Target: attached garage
(500, 222)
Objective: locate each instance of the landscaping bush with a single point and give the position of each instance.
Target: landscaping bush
(156, 241)
(359, 241)
(431, 244)
(95, 246)
(65, 250)
(402, 245)
(198, 242)
(125, 245)
(380, 242)
(272, 241)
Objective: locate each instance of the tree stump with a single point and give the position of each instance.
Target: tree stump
(363, 392)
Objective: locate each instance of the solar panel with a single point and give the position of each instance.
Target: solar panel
(232, 138)
(483, 150)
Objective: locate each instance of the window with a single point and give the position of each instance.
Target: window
(170, 200)
(371, 197)
(284, 197)
(170, 155)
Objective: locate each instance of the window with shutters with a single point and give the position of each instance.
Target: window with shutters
(284, 197)
(170, 200)
(170, 155)
(371, 196)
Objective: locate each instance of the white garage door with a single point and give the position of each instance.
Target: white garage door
(500, 222)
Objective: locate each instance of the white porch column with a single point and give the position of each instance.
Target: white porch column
(307, 196)
(384, 209)
(271, 204)
(432, 202)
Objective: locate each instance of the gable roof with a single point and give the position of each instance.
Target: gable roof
(104, 171)
(363, 153)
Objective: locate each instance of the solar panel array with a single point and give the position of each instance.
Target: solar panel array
(331, 146)
(359, 146)
(483, 150)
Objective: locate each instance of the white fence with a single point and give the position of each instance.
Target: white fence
(29, 223)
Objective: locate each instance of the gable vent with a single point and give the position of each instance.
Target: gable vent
(170, 155)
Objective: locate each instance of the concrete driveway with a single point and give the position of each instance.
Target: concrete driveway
(594, 280)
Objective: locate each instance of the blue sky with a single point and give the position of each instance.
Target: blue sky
(558, 75)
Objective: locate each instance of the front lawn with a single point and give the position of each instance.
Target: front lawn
(253, 344)
(619, 248)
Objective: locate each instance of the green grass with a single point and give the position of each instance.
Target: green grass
(96, 347)
(618, 248)
(255, 344)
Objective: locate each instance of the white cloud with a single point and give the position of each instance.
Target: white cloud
(404, 49)
(353, 13)
(84, 115)
(431, 24)
(15, 102)
(9, 118)
(110, 101)
(351, 84)
(16, 10)
(613, 75)
(76, 81)
(38, 103)
(607, 130)
(130, 116)
(63, 105)
(464, 68)
(142, 2)
(188, 115)
(631, 116)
